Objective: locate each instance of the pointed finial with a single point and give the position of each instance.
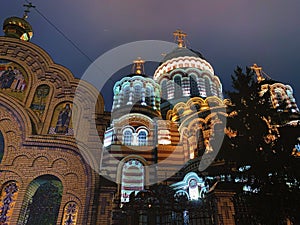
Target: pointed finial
(27, 10)
(180, 36)
(258, 70)
(138, 66)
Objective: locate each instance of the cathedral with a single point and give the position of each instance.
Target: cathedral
(163, 128)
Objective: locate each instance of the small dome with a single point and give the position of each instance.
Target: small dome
(17, 28)
(181, 52)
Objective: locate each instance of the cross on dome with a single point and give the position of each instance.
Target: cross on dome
(138, 66)
(180, 37)
(258, 70)
(27, 10)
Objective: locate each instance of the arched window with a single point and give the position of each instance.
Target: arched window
(142, 136)
(149, 96)
(38, 104)
(132, 179)
(42, 201)
(170, 89)
(70, 213)
(8, 198)
(164, 90)
(185, 87)
(126, 92)
(207, 86)
(279, 99)
(127, 137)
(194, 86)
(177, 87)
(137, 93)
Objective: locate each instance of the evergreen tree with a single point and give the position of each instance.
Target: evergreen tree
(272, 167)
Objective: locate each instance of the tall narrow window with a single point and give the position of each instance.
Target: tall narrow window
(126, 92)
(207, 86)
(132, 179)
(164, 90)
(127, 137)
(194, 86)
(280, 101)
(170, 89)
(185, 87)
(178, 87)
(137, 93)
(142, 138)
(70, 214)
(149, 95)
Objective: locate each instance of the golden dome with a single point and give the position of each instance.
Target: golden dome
(17, 28)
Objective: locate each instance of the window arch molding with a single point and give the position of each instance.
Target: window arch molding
(149, 95)
(142, 137)
(164, 89)
(127, 135)
(208, 85)
(126, 93)
(70, 213)
(132, 178)
(137, 89)
(177, 80)
(122, 163)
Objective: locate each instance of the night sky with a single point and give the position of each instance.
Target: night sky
(227, 32)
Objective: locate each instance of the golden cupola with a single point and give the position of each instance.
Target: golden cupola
(17, 27)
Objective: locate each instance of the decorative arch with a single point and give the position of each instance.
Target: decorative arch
(127, 136)
(149, 96)
(137, 92)
(177, 86)
(133, 178)
(142, 137)
(171, 89)
(208, 86)
(186, 86)
(42, 201)
(14, 119)
(126, 94)
(192, 185)
(194, 91)
(14, 80)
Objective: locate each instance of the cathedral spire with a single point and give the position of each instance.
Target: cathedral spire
(180, 37)
(138, 66)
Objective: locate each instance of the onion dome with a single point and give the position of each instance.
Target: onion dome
(16, 27)
(280, 95)
(185, 73)
(182, 52)
(137, 93)
(19, 28)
